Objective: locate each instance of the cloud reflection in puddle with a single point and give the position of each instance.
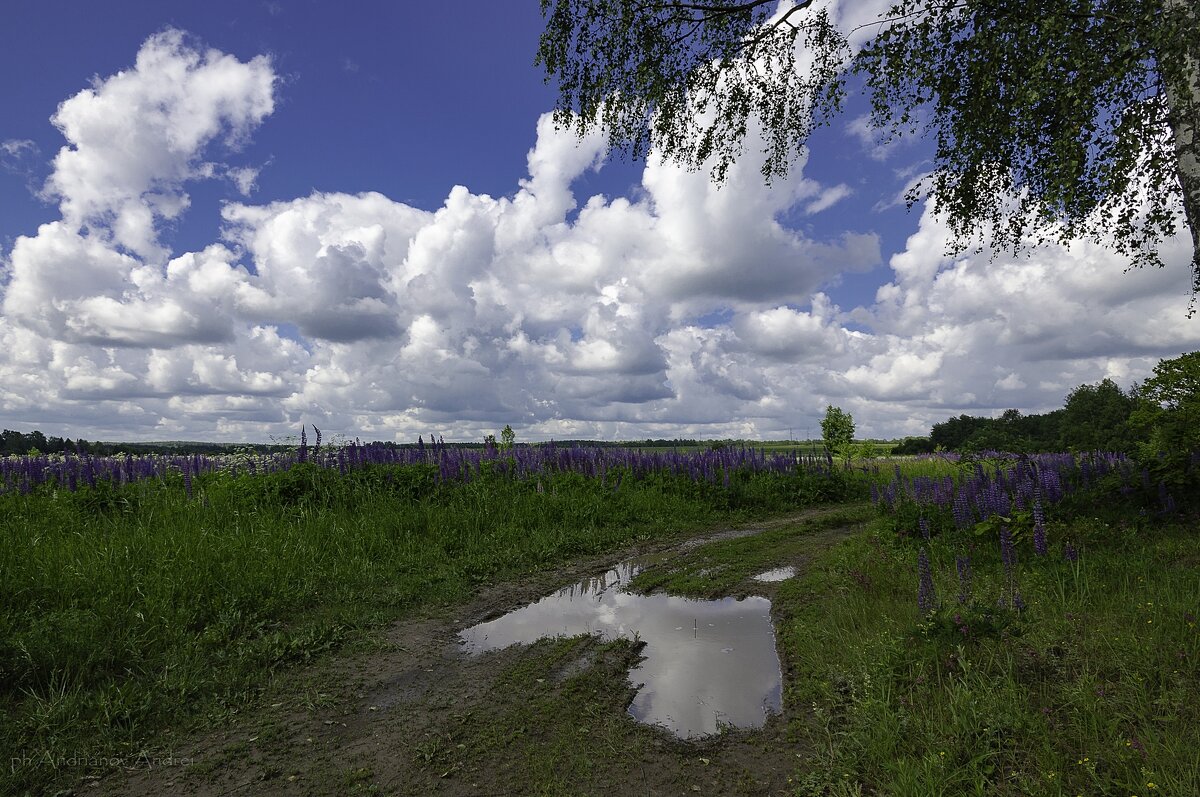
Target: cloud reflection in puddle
(707, 663)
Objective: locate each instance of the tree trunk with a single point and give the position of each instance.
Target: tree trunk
(1183, 113)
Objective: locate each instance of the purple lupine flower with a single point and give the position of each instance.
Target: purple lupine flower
(1069, 552)
(961, 509)
(1165, 499)
(1008, 555)
(926, 595)
(302, 456)
(923, 524)
(1039, 527)
(187, 479)
(963, 565)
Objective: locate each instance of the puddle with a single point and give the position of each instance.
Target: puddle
(778, 574)
(707, 663)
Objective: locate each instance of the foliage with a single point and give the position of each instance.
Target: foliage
(1096, 418)
(687, 79)
(1051, 119)
(913, 445)
(1093, 418)
(1091, 689)
(1168, 418)
(837, 430)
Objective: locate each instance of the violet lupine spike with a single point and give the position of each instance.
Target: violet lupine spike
(961, 509)
(1069, 552)
(963, 565)
(923, 525)
(926, 594)
(1165, 499)
(1039, 527)
(1008, 555)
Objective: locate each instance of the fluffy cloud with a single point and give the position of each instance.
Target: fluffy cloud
(135, 137)
(689, 309)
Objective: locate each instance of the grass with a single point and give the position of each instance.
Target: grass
(723, 567)
(544, 733)
(129, 616)
(127, 611)
(1092, 689)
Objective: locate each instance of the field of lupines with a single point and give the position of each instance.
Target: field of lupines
(140, 592)
(24, 474)
(1027, 625)
(1014, 625)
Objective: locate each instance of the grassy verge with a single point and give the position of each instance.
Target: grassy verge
(1093, 688)
(725, 567)
(127, 610)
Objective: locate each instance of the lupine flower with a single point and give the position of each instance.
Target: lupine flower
(923, 524)
(1008, 555)
(926, 596)
(963, 565)
(1165, 499)
(961, 509)
(1069, 552)
(1039, 526)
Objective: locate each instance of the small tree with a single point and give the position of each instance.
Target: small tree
(507, 438)
(1096, 418)
(1168, 415)
(837, 430)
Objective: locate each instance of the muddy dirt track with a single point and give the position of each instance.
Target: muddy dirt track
(414, 715)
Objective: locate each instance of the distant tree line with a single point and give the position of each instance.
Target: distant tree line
(25, 443)
(1094, 417)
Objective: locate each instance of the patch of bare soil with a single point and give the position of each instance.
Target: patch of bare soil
(416, 716)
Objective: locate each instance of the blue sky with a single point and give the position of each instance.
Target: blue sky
(255, 223)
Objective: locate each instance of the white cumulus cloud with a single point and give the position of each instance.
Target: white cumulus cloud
(689, 309)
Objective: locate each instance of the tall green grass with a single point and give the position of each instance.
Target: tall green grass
(1093, 689)
(124, 611)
